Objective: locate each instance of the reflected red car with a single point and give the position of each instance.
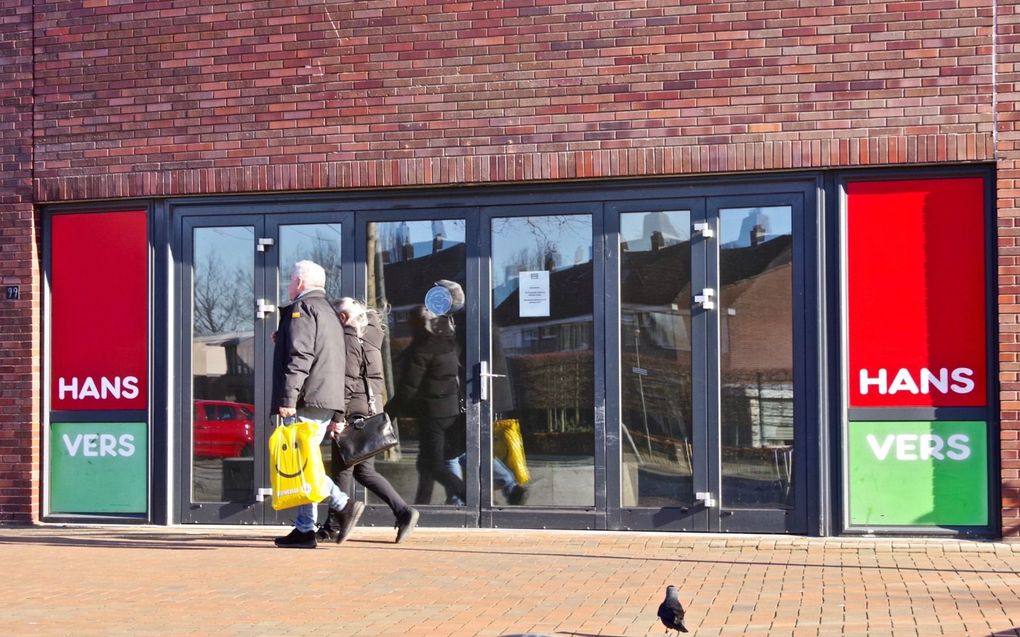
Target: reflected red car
(223, 429)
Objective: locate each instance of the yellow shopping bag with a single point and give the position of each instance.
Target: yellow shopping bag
(510, 431)
(295, 466)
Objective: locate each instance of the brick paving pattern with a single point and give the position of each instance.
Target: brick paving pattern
(225, 582)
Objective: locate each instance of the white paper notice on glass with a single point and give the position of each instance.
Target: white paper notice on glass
(534, 297)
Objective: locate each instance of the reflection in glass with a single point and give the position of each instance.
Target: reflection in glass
(655, 366)
(405, 259)
(542, 342)
(756, 357)
(222, 364)
(318, 242)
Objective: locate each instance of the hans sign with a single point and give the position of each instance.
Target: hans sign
(916, 302)
(99, 356)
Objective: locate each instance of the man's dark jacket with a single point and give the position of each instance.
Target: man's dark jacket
(309, 357)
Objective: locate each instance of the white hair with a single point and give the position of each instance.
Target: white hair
(357, 314)
(311, 273)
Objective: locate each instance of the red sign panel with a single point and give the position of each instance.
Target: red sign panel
(916, 278)
(99, 311)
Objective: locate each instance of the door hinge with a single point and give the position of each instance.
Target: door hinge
(263, 307)
(704, 229)
(705, 300)
(705, 498)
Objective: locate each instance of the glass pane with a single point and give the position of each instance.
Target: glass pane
(655, 365)
(756, 351)
(542, 343)
(318, 242)
(223, 364)
(406, 259)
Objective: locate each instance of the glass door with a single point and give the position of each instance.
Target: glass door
(223, 392)
(232, 281)
(416, 271)
(712, 339)
(757, 358)
(539, 382)
(662, 358)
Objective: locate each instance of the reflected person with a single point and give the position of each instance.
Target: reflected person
(429, 390)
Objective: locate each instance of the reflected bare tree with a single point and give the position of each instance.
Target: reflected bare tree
(222, 297)
(322, 247)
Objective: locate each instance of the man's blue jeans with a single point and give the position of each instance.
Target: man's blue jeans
(337, 499)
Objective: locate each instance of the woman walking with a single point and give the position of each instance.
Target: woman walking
(363, 336)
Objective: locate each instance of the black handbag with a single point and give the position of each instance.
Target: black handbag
(365, 436)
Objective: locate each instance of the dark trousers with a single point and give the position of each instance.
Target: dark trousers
(432, 460)
(365, 473)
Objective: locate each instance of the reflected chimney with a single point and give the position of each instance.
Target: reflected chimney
(757, 234)
(658, 241)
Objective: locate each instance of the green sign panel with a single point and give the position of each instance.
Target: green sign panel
(99, 467)
(918, 473)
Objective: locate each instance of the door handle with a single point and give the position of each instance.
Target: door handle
(483, 379)
(262, 307)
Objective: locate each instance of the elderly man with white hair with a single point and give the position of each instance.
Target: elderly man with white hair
(309, 364)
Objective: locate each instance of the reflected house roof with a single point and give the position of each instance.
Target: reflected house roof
(408, 281)
(570, 295)
(655, 277)
(738, 264)
(652, 278)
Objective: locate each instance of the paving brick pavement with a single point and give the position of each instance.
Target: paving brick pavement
(214, 581)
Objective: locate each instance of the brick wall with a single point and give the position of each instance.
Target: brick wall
(1008, 213)
(19, 335)
(161, 98)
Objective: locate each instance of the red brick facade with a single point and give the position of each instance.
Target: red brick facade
(19, 265)
(150, 99)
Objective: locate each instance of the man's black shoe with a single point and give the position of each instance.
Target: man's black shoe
(406, 523)
(297, 540)
(349, 519)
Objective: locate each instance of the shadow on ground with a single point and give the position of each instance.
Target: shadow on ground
(166, 541)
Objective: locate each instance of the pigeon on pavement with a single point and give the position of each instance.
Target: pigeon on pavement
(671, 611)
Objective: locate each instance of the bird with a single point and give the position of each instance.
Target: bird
(671, 612)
